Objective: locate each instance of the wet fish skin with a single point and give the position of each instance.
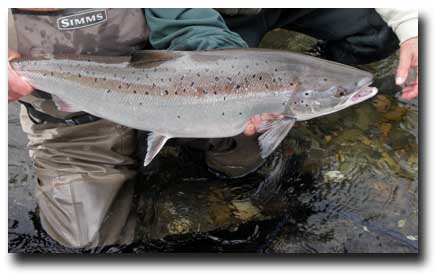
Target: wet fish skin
(203, 94)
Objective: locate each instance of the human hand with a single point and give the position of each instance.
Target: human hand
(17, 87)
(408, 59)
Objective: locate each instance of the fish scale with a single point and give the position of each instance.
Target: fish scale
(202, 94)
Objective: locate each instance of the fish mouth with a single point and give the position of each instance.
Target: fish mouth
(364, 92)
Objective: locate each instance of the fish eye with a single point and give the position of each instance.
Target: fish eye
(340, 92)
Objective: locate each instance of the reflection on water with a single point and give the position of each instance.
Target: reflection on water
(347, 182)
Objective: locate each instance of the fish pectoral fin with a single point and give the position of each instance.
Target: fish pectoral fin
(276, 131)
(155, 142)
(64, 106)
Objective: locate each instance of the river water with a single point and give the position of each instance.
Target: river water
(344, 183)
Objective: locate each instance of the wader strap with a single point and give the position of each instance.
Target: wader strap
(33, 113)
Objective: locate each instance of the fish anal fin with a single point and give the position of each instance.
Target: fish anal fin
(152, 58)
(155, 142)
(276, 131)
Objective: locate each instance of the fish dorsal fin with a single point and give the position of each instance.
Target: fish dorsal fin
(276, 131)
(155, 142)
(151, 58)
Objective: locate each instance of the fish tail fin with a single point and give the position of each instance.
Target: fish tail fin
(155, 142)
(275, 131)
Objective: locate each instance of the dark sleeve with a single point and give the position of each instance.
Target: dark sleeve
(190, 29)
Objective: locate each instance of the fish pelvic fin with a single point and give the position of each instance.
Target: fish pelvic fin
(64, 106)
(155, 142)
(276, 131)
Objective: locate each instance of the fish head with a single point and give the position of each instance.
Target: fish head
(331, 89)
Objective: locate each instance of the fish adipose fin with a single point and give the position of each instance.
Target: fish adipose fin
(155, 142)
(276, 130)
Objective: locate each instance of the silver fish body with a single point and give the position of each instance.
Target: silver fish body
(202, 94)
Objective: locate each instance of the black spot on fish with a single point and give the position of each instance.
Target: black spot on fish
(240, 113)
(266, 85)
(165, 92)
(238, 86)
(266, 61)
(154, 70)
(176, 93)
(306, 93)
(223, 113)
(229, 78)
(169, 79)
(185, 90)
(215, 92)
(260, 78)
(238, 73)
(162, 80)
(276, 70)
(77, 75)
(179, 116)
(280, 79)
(147, 75)
(153, 85)
(253, 76)
(283, 103)
(306, 105)
(198, 74)
(146, 93)
(274, 80)
(119, 87)
(141, 103)
(51, 73)
(216, 79)
(108, 91)
(192, 84)
(95, 79)
(138, 79)
(232, 66)
(135, 91)
(295, 102)
(325, 79)
(224, 98)
(205, 92)
(182, 77)
(104, 78)
(291, 83)
(301, 101)
(247, 66)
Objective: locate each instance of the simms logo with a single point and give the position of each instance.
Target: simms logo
(80, 20)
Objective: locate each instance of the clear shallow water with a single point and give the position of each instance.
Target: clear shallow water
(345, 183)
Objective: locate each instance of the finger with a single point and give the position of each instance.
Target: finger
(12, 55)
(249, 130)
(16, 84)
(403, 67)
(411, 91)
